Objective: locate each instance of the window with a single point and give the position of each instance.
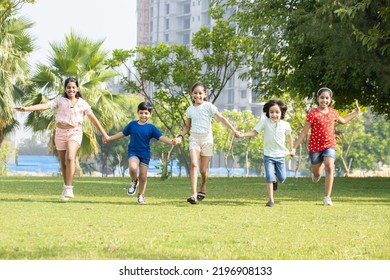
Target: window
(187, 8)
(166, 38)
(230, 96)
(186, 38)
(167, 8)
(186, 23)
(243, 94)
(167, 23)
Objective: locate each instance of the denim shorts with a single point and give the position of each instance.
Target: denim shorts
(318, 157)
(142, 160)
(275, 167)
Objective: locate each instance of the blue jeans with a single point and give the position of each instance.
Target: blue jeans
(318, 157)
(275, 167)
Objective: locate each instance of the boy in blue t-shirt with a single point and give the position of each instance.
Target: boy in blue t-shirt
(139, 148)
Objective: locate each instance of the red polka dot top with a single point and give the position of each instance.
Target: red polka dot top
(322, 134)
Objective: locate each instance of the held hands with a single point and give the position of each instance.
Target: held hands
(176, 140)
(106, 139)
(237, 134)
(292, 152)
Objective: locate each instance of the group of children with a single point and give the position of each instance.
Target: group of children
(71, 109)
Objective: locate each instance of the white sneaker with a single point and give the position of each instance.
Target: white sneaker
(141, 199)
(132, 188)
(67, 193)
(315, 179)
(63, 198)
(327, 201)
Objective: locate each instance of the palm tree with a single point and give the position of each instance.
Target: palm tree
(82, 58)
(15, 45)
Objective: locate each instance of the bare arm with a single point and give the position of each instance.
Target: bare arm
(166, 140)
(350, 116)
(290, 145)
(248, 134)
(119, 135)
(227, 123)
(186, 129)
(303, 134)
(97, 124)
(38, 107)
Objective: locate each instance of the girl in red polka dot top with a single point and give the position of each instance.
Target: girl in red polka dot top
(322, 141)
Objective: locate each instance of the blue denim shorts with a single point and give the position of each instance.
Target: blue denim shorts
(143, 161)
(318, 157)
(275, 167)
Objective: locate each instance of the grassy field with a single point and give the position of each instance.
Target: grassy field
(232, 223)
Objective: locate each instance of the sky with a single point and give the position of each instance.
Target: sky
(113, 21)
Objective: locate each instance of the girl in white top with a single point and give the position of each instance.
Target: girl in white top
(276, 130)
(71, 109)
(198, 122)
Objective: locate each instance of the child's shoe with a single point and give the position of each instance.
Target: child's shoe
(141, 199)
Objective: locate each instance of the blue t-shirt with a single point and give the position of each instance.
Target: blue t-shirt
(141, 134)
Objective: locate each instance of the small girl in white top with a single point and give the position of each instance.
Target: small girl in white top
(198, 120)
(71, 109)
(275, 133)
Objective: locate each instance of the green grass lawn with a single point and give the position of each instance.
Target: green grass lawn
(232, 223)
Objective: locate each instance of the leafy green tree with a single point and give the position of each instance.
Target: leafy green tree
(370, 22)
(83, 58)
(374, 144)
(299, 46)
(15, 46)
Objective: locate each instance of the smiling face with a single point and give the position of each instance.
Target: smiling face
(71, 89)
(324, 100)
(198, 95)
(275, 113)
(144, 116)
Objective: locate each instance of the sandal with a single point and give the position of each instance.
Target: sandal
(201, 196)
(192, 200)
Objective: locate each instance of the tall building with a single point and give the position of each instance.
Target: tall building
(176, 22)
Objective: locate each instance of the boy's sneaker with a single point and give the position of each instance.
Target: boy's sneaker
(270, 203)
(141, 199)
(327, 201)
(315, 179)
(132, 188)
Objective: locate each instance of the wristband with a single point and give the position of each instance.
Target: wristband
(179, 136)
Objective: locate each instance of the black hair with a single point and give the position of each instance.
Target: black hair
(74, 80)
(269, 104)
(146, 105)
(198, 84)
(321, 90)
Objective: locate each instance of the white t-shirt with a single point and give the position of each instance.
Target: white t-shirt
(201, 117)
(274, 137)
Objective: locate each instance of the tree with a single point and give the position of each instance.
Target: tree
(165, 73)
(15, 46)
(299, 46)
(80, 57)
